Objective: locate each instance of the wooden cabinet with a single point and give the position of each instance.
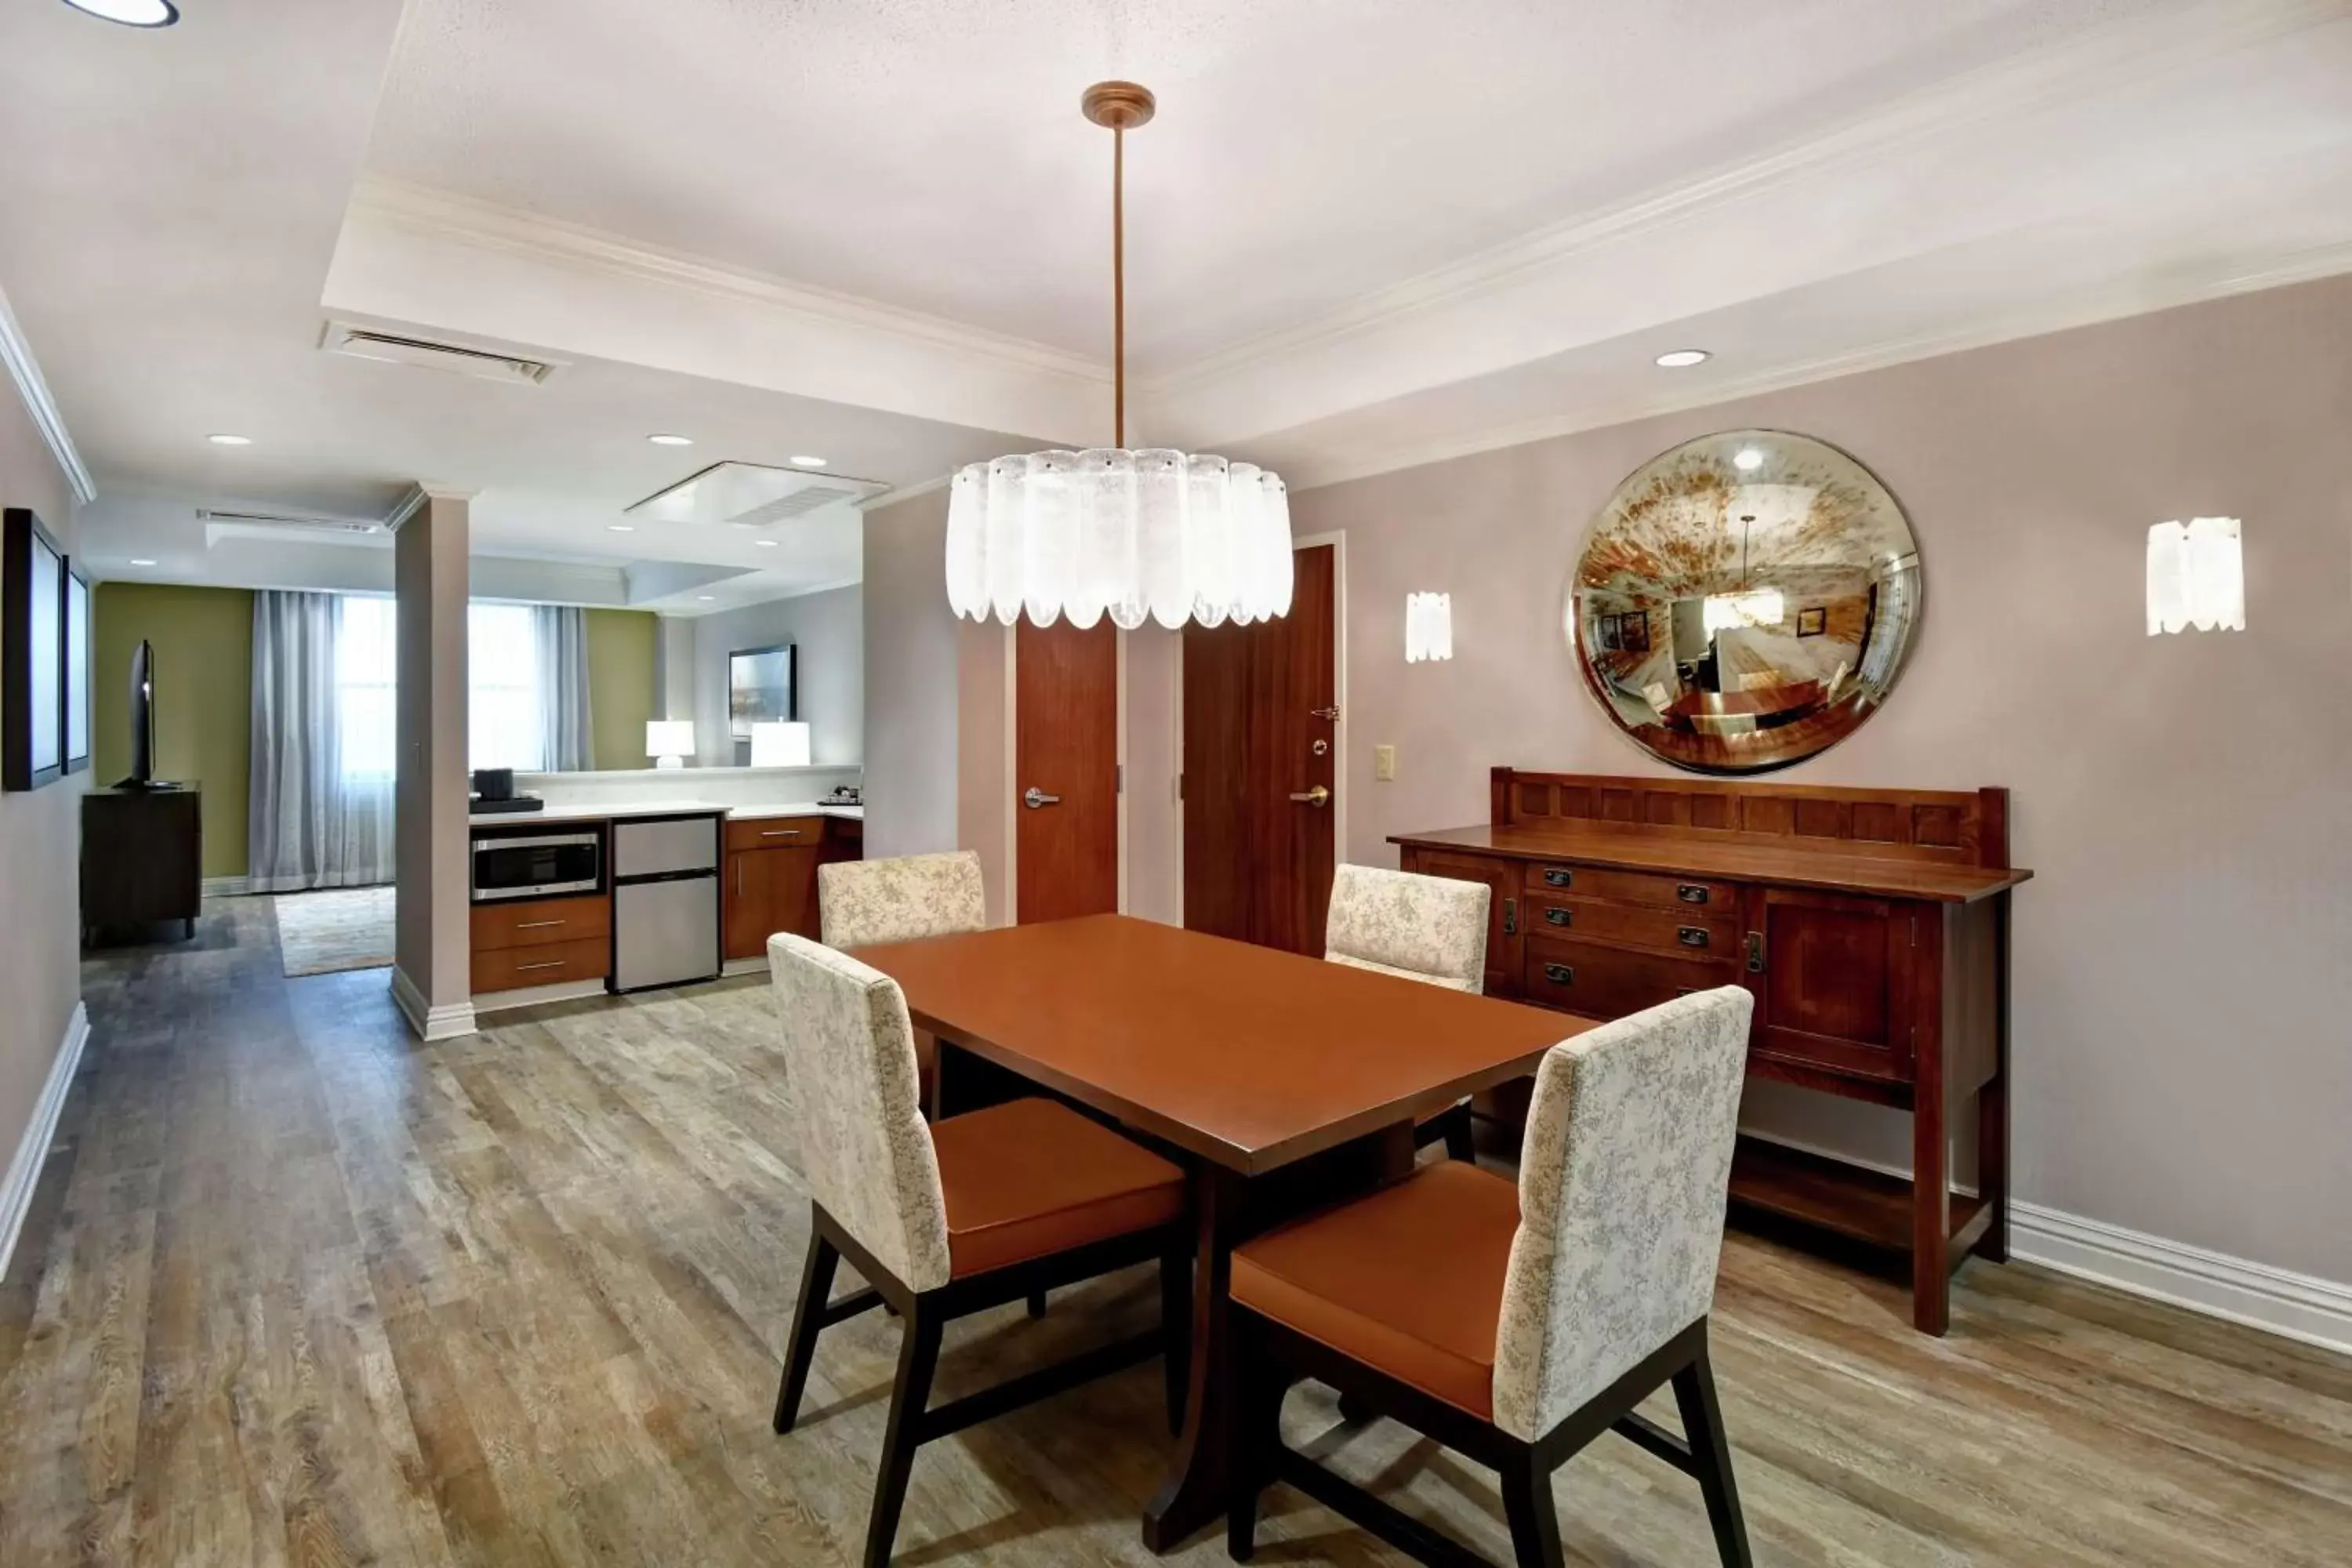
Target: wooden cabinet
(770, 878)
(541, 942)
(143, 856)
(1871, 927)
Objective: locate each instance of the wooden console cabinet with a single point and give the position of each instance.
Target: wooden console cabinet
(1872, 926)
(541, 942)
(768, 883)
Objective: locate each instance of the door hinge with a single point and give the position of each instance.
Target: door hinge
(1119, 778)
(1180, 786)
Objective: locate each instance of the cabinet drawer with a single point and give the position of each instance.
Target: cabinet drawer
(1611, 981)
(1649, 888)
(512, 968)
(539, 922)
(1668, 930)
(774, 832)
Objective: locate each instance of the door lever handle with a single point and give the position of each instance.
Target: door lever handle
(1037, 799)
(1319, 796)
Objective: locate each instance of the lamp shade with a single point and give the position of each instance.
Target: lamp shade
(780, 745)
(2196, 576)
(669, 737)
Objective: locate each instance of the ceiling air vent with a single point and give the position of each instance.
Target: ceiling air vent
(272, 525)
(486, 365)
(752, 495)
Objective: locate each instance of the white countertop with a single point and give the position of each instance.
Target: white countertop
(681, 807)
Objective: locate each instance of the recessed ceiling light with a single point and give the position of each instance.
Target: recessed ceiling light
(671, 440)
(1679, 359)
(1748, 459)
(705, 598)
(130, 13)
(620, 528)
(808, 462)
(141, 561)
(230, 441)
(765, 544)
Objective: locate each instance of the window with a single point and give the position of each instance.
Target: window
(505, 730)
(366, 677)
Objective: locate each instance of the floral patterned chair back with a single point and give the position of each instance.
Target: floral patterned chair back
(865, 1152)
(1622, 1180)
(1420, 927)
(862, 902)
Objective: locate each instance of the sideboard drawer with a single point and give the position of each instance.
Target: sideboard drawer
(512, 968)
(1649, 888)
(1692, 934)
(1602, 982)
(538, 922)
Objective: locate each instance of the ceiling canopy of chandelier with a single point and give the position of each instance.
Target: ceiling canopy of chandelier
(1131, 533)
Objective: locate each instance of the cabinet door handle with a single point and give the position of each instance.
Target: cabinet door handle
(1560, 974)
(739, 876)
(1559, 876)
(1691, 936)
(1755, 953)
(550, 964)
(1510, 917)
(1561, 917)
(780, 833)
(536, 925)
(1691, 892)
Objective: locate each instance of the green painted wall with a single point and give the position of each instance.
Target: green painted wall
(203, 697)
(620, 684)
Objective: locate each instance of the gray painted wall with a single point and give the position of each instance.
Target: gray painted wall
(829, 630)
(911, 674)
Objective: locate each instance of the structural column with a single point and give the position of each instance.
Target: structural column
(432, 976)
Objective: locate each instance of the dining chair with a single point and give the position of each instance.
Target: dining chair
(1431, 929)
(1514, 1323)
(862, 903)
(948, 1218)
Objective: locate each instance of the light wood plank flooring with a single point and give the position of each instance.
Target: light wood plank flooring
(298, 1289)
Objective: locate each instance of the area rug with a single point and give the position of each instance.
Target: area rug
(335, 929)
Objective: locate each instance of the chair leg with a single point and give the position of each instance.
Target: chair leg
(816, 1286)
(1176, 1328)
(1711, 1456)
(1459, 1143)
(919, 1356)
(1535, 1522)
(1036, 1304)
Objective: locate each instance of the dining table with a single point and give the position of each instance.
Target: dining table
(1279, 1082)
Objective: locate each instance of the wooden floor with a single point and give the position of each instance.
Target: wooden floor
(298, 1289)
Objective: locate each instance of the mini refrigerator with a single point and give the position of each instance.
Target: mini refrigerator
(664, 901)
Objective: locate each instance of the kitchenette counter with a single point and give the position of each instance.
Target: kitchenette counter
(683, 807)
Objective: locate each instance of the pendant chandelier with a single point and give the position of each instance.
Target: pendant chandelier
(1134, 533)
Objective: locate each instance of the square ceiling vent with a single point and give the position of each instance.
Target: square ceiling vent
(752, 495)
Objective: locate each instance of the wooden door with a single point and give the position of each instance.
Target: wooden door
(1066, 761)
(1260, 768)
(1833, 978)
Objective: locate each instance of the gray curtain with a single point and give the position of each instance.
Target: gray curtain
(570, 744)
(309, 826)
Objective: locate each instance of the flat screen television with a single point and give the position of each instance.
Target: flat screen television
(143, 717)
(32, 653)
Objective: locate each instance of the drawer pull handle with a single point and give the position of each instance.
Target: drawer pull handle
(780, 833)
(1755, 953)
(1559, 876)
(1561, 917)
(1560, 974)
(1510, 917)
(536, 925)
(550, 964)
(1691, 936)
(1691, 892)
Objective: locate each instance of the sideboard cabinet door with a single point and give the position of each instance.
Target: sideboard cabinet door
(1833, 978)
(1506, 923)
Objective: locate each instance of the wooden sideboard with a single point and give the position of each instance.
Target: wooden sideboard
(1871, 925)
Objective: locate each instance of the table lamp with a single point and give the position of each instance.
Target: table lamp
(780, 745)
(669, 741)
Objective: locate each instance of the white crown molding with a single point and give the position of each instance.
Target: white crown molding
(446, 216)
(32, 1149)
(26, 372)
(2103, 60)
(2137, 298)
(420, 496)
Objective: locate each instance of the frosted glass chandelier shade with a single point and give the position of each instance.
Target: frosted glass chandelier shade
(1134, 534)
(2196, 576)
(1428, 626)
(1751, 607)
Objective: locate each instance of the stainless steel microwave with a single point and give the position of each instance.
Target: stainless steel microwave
(539, 866)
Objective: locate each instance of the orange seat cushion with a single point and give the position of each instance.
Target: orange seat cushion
(1409, 1280)
(1032, 1177)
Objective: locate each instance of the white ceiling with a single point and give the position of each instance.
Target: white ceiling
(1360, 233)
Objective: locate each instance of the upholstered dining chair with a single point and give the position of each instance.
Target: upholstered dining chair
(1431, 929)
(862, 903)
(948, 1218)
(1516, 1323)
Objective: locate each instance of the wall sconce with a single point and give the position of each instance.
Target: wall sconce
(1428, 626)
(780, 745)
(2196, 576)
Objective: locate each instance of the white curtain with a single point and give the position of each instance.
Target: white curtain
(320, 798)
(561, 633)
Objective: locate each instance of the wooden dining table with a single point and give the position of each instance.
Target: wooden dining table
(1279, 1082)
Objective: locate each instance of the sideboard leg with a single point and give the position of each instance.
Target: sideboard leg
(1931, 1197)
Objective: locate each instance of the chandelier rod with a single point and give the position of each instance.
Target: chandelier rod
(1118, 284)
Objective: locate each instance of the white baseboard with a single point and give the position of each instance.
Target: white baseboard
(735, 967)
(2236, 1290)
(442, 1023)
(2279, 1301)
(225, 887)
(32, 1149)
